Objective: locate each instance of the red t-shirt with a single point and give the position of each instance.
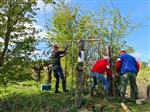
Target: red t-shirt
(102, 66)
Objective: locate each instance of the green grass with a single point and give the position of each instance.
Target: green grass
(27, 97)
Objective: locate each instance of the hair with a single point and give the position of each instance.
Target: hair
(55, 47)
(106, 57)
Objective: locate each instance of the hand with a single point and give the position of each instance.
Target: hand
(66, 46)
(78, 41)
(117, 75)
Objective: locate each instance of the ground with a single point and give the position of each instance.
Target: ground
(27, 97)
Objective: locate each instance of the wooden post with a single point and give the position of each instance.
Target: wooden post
(36, 72)
(72, 66)
(110, 80)
(48, 73)
(65, 69)
(148, 92)
(79, 73)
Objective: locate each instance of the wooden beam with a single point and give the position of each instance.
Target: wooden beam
(126, 109)
(85, 40)
(140, 101)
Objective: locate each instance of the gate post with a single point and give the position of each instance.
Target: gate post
(79, 73)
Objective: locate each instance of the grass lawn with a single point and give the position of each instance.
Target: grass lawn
(27, 97)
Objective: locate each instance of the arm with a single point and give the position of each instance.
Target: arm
(108, 71)
(117, 65)
(137, 66)
(62, 53)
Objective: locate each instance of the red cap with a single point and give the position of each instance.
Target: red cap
(122, 52)
(55, 46)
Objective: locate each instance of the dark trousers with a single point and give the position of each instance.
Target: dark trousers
(59, 74)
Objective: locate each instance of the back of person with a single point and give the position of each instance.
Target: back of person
(99, 66)
(127, 67)
(56, 58)
(128, 64)
(56, 67)
(56, 55)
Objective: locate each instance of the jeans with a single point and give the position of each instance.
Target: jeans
(101, 78)
(59, 74)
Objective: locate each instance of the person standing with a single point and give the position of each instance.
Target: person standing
(127, 69)
(97, 73)
(56, 66)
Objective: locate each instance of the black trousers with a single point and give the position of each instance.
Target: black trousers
(59, 74)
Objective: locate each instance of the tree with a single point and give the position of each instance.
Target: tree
(68, 23)
(107, 24)
(17, 37)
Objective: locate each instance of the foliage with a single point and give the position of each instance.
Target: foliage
(69, 23)
(17, 35)
(144, 72)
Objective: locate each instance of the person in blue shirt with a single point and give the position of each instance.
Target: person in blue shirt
(127, 68)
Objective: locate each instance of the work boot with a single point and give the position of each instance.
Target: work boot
(56, 91)
(66, 90)
(106, 96)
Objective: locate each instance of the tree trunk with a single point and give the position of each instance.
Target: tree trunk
(6, 42)
(79, 74)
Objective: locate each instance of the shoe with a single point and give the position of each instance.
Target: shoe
(66, 91)
(57, 92)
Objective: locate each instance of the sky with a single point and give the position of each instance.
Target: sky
(139, 39)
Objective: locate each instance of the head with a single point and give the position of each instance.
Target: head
(106, 57)
(55, 47)
(122, 52)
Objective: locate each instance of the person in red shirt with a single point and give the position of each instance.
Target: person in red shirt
(97, 73)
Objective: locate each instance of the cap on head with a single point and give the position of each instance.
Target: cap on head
(55, 47)
(122, 52)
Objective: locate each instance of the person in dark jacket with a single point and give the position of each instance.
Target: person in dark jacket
(97, 73)
(56, 66)
(127, 68)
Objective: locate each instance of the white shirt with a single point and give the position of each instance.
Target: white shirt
(81, 59)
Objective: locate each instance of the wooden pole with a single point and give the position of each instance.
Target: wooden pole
(85, 40)
(65, 69)
(72, 66)
(79, 73)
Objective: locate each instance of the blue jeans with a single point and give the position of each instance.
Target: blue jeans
(101, 78)
(59, 74)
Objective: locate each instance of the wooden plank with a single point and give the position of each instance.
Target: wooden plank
(126, 109)
(85, 40)
(140, 101)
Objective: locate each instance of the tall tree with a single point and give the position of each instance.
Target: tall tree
(17, 36)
